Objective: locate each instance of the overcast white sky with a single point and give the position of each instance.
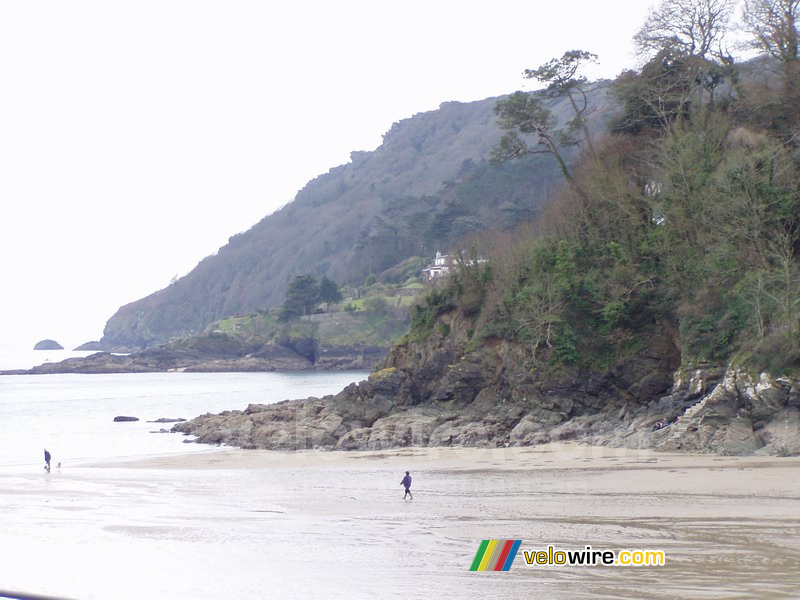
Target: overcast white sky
(137, 137)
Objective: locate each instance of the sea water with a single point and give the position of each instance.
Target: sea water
(73, 415)
(80, 531)
(14, 357)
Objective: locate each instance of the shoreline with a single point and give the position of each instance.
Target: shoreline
(248, 522)
(555, 455)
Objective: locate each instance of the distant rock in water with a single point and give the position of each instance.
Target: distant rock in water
(48, 345)
(90, 347)
(125, 419)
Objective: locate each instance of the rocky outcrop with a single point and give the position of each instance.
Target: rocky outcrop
(356, 356)
(743, 415)
(48, 345)
(162, 360)
(216, 354)
(434, 394)
(91, 347)
(739, 417)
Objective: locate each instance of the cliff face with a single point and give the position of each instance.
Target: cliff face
(437, 394)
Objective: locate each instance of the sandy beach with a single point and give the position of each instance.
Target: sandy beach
(230, 523)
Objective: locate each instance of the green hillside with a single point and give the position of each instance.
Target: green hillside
(684, 224)
(429, 184)
(374, 315)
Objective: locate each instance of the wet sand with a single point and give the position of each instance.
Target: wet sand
(231, 523)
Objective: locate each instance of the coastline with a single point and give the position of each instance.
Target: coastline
(727, 524)
(246, 523)
(555, 455)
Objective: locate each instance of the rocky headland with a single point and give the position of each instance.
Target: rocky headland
(438, 394)
(219, 353)
(93, 346)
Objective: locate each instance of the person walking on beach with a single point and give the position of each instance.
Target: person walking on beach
(46, 460)
(407, 483)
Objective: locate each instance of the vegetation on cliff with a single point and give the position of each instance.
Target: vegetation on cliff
(672, 252)
(311, 321)
(430, 183)
(686, 218)
(680, 216)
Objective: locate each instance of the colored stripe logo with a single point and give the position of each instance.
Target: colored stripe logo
(495, 555)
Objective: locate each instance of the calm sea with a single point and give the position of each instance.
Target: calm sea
(73, 415)
(14, 357)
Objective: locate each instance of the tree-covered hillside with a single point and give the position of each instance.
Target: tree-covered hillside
(429, 184)
(686, 220)
(653, 303)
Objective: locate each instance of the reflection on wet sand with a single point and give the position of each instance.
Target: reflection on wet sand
(335, 524)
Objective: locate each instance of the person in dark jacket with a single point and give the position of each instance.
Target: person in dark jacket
(407, 483)
(46, 460)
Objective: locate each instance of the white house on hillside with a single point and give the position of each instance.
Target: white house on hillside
(439, 267)
(442, 264)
